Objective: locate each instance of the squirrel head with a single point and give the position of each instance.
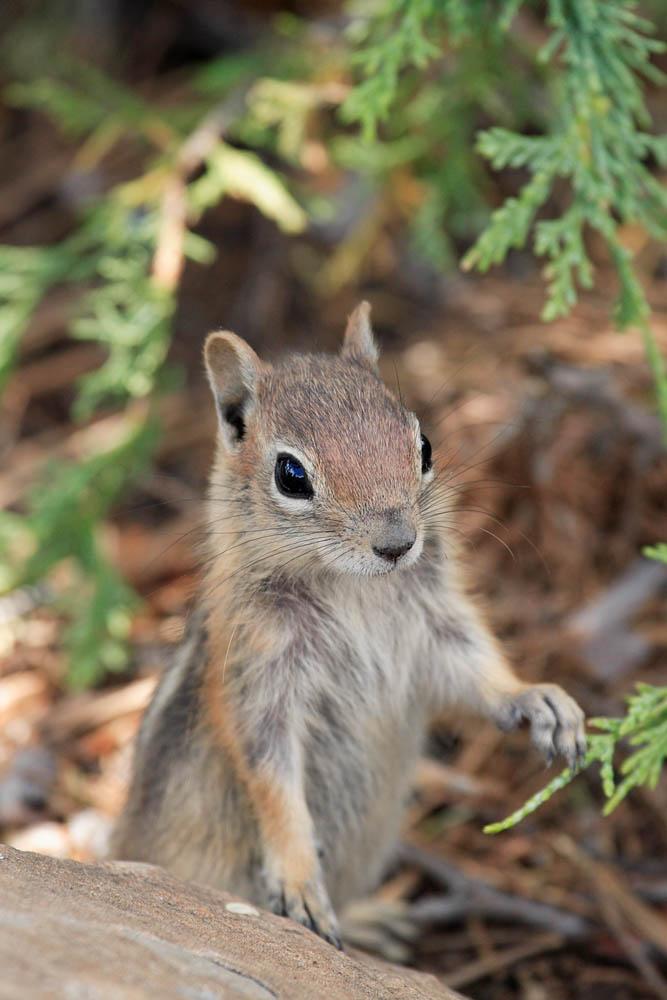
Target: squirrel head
(324, 468)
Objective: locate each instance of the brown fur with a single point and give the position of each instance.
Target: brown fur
(279, 746)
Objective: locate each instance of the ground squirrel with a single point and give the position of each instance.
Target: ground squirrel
(278, 750)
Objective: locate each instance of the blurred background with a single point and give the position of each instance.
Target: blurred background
(168, 168)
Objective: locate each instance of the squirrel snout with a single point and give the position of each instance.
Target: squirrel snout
(394, 539)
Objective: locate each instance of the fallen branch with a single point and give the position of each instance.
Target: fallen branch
(607, 643)
(467, 897)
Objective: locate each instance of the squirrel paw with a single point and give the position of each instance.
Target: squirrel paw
(556, 721)
(308, 904)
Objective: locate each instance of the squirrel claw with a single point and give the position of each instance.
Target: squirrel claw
(309, 906)
(556, 721)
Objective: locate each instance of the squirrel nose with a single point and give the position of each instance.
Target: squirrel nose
(393, 552)
(396, 541)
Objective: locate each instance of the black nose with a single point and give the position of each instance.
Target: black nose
(393, 549)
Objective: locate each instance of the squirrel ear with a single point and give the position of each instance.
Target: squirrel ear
(233, 370)
(358, 343)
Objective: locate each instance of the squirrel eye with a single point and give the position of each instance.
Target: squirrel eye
(292, 479)
(427, 460)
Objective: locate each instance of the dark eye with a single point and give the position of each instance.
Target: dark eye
(427, 461)
(292, 479)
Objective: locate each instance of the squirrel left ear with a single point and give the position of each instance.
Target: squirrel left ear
(359, 343)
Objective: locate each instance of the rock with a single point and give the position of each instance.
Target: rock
(118, 930)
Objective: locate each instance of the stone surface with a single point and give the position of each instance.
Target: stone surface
(101, 932)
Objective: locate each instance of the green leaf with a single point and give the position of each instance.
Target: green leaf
(243, 175)
(658, 552)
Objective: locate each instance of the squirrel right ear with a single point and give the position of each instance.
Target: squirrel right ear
(233, 370)
(358, 343)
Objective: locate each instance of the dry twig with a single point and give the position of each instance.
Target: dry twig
(467, 896)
